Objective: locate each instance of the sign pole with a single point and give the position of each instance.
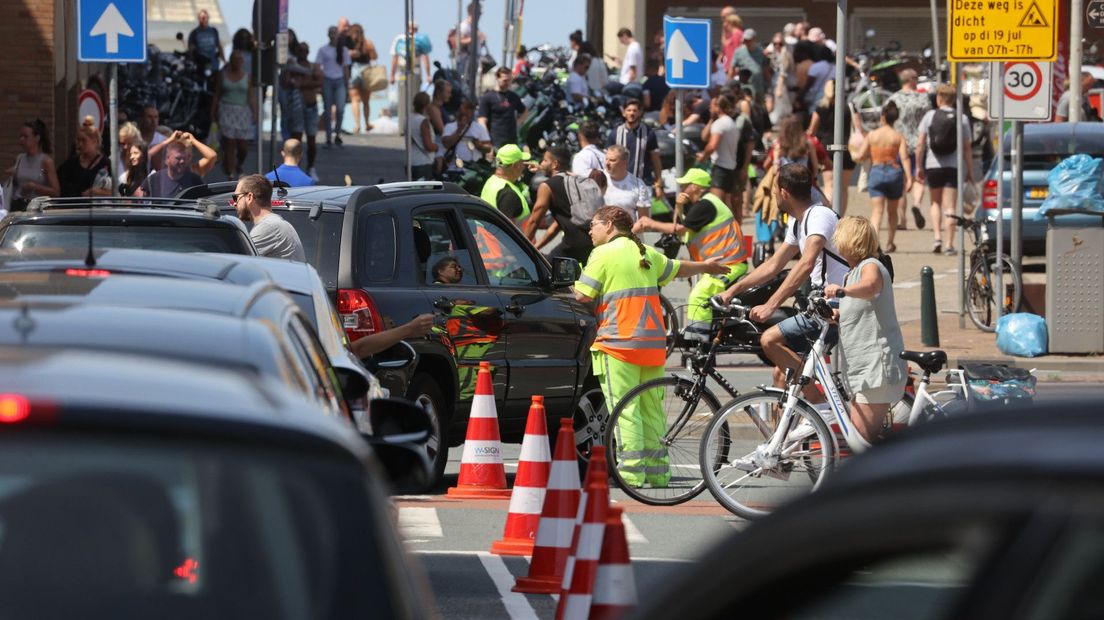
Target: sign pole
(679, 163)
(1074, 74)
(961, 163)
(935, 41)
(1017, 193)
(408, 91)
(113, 123)
(999, 292)
(257, 35)
(839, 143)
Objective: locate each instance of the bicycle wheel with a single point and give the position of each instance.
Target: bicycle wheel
(686, 414)
(748, 482)
(671, 321)
(981, 301)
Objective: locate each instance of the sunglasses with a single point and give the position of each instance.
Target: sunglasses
(234, 197)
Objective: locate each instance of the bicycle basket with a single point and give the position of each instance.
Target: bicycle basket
(998, 383)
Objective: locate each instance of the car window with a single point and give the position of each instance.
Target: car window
(183, 528)
(376, 247)
(504, 260)
(220, 239)
(443, 258)
(310, 354)
(321, 240)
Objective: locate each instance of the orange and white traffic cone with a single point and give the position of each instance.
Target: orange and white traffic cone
(614, 584)
(582, 566)
(557, 521)
(534, 464)
(482, 475)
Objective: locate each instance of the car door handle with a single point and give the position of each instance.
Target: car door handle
(515, 308)
(444, 304)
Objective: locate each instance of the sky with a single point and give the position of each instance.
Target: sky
(544, 21)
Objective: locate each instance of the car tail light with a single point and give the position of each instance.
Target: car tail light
(359, 315)
(989, 195)
(87, 273)
(14, 408)
(188, 571)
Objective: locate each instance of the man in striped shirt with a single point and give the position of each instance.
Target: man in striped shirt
(640, 142)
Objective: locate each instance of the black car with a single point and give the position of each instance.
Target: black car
(986, 515)
(140, 223)
(377, 249)
(136, 487)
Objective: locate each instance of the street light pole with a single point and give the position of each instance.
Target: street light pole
(1077, 13)
(838, 141)
(408, 97)
(936, 56)
(474, 65)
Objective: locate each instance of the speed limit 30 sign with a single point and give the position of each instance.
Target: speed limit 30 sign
(1027, 90)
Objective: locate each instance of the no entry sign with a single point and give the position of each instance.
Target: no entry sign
(1026, 90)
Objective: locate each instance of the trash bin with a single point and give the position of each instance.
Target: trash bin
(1075, 285)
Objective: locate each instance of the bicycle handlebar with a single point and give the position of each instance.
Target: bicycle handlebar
(732, 310)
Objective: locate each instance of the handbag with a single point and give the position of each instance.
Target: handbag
(374, 78)
(486, 61)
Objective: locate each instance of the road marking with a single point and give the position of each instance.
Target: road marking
(633, 533)
(476, 553)
(418, 524)
(517, 606)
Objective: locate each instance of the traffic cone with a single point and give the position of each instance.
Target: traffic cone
(614, 584)
(534, 464)
(582, 566)
(557, 521)
(482, 475)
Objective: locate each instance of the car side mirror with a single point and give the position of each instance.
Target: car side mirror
(399, 356)
(353, 384)
(565, 271)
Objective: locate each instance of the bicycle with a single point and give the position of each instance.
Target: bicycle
(688, 404)
(802, 442)
(979, 284)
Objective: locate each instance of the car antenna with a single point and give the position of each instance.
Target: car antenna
(281, 187)
(90, 258)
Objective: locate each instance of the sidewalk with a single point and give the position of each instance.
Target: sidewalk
(366, 159)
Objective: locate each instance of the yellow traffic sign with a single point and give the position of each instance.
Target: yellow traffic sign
(1002, 30)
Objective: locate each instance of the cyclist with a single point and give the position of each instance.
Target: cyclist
(811, 235)
(709, 230)
(622, 278)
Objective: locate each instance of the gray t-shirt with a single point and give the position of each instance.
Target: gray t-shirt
(950, 160)
(275, 238)
(729, 146)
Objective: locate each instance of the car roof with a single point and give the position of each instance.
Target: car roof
(157, 394)
(1067, 131)
(1058, 438)
(340, 197)
(136, 291)
(202, 212)
(293, 276)
(222, 267)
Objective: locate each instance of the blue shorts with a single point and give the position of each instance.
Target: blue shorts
(801, 332)
(886, 181)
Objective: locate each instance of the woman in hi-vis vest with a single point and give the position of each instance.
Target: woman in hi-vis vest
(622, 278)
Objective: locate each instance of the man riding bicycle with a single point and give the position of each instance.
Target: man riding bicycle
(810, 233)
(709, 230)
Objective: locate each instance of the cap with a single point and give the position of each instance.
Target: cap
(510, 154)
(749, 33)
(695, 176)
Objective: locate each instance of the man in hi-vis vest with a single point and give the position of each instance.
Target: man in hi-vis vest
(502, 191)
(709, 230)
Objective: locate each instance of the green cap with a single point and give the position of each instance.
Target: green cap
(695, 176)
(510, 154)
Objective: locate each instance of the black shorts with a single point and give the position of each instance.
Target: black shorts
(723, 178)
(939, 178)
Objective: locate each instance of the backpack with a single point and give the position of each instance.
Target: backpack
(585, 198)
(942, 136)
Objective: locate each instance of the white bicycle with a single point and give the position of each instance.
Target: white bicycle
(762, 472)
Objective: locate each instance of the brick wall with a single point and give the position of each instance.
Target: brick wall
(27, 92)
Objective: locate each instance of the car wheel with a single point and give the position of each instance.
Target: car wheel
(591, 418)
(425, 392)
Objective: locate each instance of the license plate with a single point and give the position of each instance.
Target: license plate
(1038, 193)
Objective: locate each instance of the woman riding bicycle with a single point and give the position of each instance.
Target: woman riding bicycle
(623, 277)
(869, 335)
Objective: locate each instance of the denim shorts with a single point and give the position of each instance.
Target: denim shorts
(886, 181)
(801, 332)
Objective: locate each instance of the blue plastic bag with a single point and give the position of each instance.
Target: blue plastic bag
(1022, 334)
(1075, 183)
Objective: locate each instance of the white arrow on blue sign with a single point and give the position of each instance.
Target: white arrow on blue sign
(111, 30)
(687, 52)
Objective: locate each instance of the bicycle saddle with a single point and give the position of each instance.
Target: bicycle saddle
(929, 361)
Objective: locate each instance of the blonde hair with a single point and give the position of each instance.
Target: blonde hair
(734, 21)
(856, 238)
(945, 93)
(88, 130)
(129, 133)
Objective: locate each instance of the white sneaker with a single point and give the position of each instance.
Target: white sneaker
(313, 174)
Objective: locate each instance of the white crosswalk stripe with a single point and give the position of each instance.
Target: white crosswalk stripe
(419, 524)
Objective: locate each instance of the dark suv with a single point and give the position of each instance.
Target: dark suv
(167, 224)
(387, 253)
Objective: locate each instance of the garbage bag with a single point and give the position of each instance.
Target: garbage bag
(1022, 334)
(1075, 183)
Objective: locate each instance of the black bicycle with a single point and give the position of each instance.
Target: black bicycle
(980, 284)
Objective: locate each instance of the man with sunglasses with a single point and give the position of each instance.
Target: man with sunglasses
(271, 234)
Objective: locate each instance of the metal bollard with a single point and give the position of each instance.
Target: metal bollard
(929, 314)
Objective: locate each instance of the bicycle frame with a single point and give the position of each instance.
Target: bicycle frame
(924, 399)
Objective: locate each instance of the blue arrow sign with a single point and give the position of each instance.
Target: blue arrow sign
(111, 30)
(687, 52)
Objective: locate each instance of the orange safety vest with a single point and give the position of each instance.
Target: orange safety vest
(490, 250)
(722, 237)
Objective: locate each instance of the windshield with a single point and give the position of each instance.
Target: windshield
(109, 527)
(224, 240)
